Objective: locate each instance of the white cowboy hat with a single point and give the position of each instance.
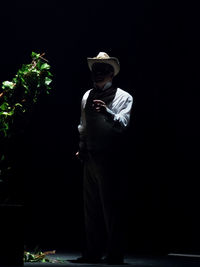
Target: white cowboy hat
(103, 57)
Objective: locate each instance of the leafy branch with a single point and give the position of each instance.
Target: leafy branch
(17, 98)
(41, 257)
(19, 95)
(38, 257)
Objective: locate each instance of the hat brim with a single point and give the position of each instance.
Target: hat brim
(112, 61)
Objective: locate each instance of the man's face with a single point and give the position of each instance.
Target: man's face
(101, 72)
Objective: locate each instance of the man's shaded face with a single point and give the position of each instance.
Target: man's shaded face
(100, 71)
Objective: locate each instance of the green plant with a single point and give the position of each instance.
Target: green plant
(41, 257)
(38, 257)
(17, 98)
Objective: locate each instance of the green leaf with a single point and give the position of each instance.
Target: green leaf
(49, 74)
(26, 87)
(8, 113)
(7, 84)
(35, 71)
(4, 106)
(18, 105)
(47, 80)
(45, 66)
(35, 55)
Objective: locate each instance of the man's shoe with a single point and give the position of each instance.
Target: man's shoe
(86, 260)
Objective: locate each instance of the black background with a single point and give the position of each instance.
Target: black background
(157, 43)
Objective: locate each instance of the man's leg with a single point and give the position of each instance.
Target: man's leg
(112, 186)
(93, 212)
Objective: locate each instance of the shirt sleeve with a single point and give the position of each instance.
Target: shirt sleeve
(121, 117)
(82, 124)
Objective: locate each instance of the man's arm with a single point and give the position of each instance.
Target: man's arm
(81, 128)
(121, 117)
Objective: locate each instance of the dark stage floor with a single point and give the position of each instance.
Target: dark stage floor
(171, 260)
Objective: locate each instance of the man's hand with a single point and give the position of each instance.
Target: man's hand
(78, 155)
(99, 105)
(81, 155)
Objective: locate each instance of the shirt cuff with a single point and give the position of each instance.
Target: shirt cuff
(110, 113)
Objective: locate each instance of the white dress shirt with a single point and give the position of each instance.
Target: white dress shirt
(119, 111)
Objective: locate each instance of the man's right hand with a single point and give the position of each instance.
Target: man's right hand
(77, 155)
(81, 155)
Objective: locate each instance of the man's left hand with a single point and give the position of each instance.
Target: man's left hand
(99, 105)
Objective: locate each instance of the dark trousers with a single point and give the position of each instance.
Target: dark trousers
(104, 189)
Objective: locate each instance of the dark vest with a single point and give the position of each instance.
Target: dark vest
(100, 132)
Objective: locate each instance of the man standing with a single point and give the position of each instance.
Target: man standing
(105, 116)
